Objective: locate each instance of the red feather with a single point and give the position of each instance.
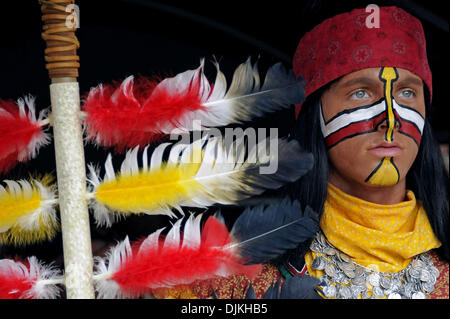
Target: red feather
(8, 162)
(134, 112)
(13, 287)
(28, 279)
(14, 280)
(178, 263)
(20, 133)
(139, 113)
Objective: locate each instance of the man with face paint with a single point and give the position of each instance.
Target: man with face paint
(369, 120)
(377, 164)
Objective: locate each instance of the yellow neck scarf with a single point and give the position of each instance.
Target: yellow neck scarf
(383, 237)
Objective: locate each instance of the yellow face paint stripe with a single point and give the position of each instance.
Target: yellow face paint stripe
(385, 174)
(389, 75)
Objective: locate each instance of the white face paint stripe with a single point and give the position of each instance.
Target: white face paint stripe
(359, 115)
(364, 114)
(410, 115)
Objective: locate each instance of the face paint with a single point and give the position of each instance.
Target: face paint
(411, 125)
(349, 123)
(389, 75)
(367, 119)
(411, 122)
(386, 173)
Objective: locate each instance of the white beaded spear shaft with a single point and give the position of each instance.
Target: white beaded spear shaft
(60, 23)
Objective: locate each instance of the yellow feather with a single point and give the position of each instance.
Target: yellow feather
(150, 190)
(15, 205)
(45, 179)
(18, 236)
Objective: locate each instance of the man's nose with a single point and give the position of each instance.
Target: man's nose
(383, 126)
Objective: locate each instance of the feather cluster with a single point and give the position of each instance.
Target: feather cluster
(155, 188)
(195, 175)
(187, 254)
(27, 211)
(182, 255)
(29, 279)
(140, 112)
(21, 135)
(178, 259)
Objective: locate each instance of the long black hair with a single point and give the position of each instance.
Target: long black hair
(311, 189)
(427, 177)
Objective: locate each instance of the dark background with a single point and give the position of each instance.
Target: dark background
(139, 37)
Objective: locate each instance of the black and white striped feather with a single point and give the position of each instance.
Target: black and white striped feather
(245, 99)
(267, 232)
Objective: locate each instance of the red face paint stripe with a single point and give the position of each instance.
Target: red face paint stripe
(353, 129)
(411, 130)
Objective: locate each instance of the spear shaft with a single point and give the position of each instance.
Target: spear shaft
(62, 64)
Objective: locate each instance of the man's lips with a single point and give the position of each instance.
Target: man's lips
(386, 150)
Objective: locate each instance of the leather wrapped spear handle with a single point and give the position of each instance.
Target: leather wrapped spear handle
(59, 34)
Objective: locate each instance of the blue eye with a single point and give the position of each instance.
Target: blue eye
(408, 94)
(360, 94)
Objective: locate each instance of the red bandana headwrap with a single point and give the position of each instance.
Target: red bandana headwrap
(344, 44)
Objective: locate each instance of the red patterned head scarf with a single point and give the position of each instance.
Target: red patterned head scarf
(344, 44)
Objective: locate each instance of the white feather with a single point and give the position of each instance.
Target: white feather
(109, 169)
(220, 85)
(228, 177)
(105, 267)
(151, 242)
(47, 276)
(130, 164)
(46, 213)
(157, 156)
(244, 100)
(173, 238)
(145, 159)
(101, 213)
(93, 174)
(103, 216)
(126, 88)
(191, 234)
(225, 174)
